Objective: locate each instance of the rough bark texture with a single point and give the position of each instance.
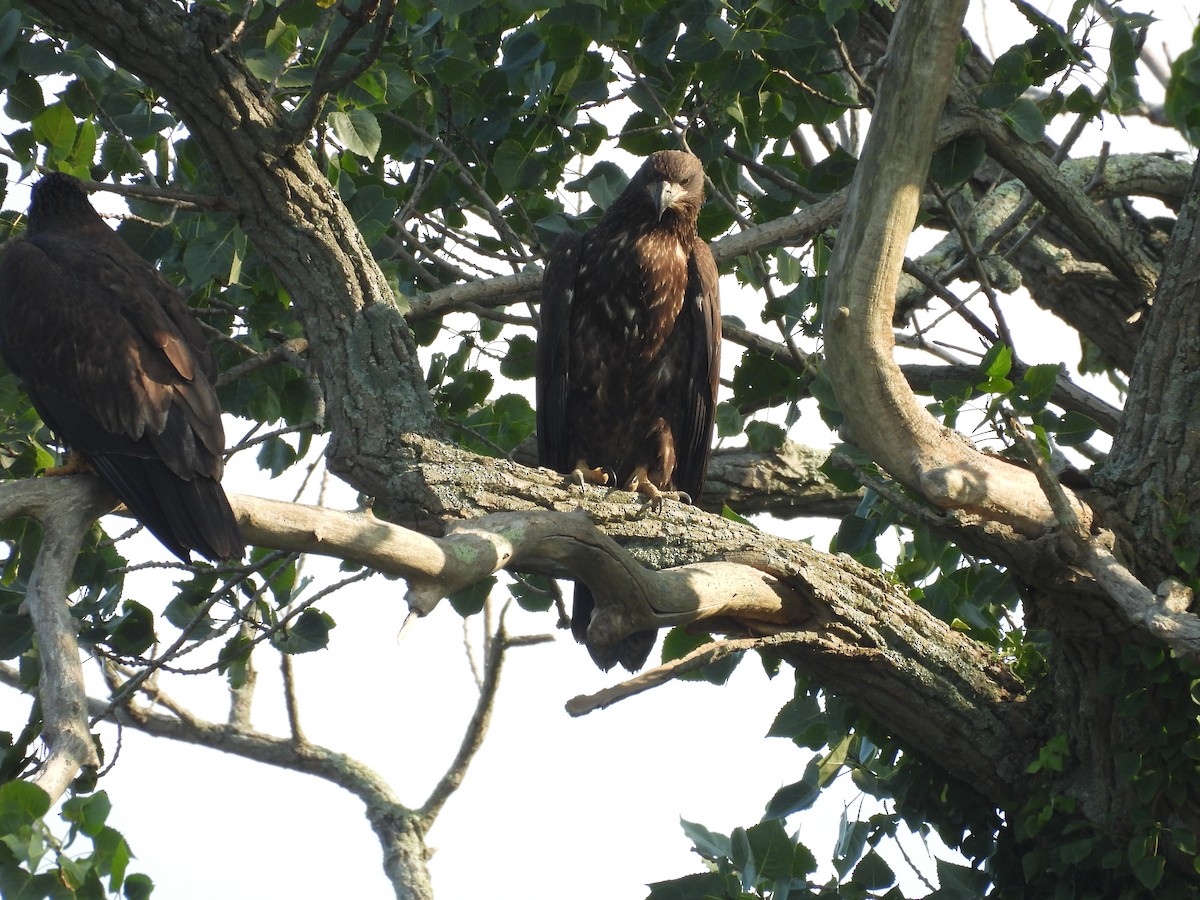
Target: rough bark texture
(933, 687)
(1151, 467)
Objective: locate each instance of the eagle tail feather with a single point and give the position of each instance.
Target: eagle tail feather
(183, 514)
(631, 651)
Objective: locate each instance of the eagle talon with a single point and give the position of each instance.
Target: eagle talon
(600, 476)
(76, 464)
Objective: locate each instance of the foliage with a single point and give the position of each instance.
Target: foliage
(450, 150)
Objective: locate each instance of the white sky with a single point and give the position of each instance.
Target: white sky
(553, 807)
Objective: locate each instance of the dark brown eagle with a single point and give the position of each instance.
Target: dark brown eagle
(118, 369)
(629, 354)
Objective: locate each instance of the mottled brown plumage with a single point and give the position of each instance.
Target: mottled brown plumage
(629, 351)
(118, 369)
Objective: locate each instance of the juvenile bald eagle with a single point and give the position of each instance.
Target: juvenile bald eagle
(118, 369)
(629, 353)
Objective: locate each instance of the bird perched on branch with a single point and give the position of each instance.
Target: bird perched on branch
(118, 368)
(629, 354)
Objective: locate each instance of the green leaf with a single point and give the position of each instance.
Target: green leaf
(88, 813)
(470, 600)
(1026, 121)
(309, 631)
(506, 422)
(23, 99)
(1187, 558)
(957, 161)
(873, 873)
(730, 422)
(10, 29)
(54, 127)
(760, 380)
(742, 856)
(1075, 428)
(765, 437)
(466, 390)
(193, 596)
(1123, 94)
(852, 837)
(138, 887)
(21, 804)
(16, 635)
(709, 844)
(958, 882)
(520, 361)
(727, 513)
(533, 592)
(701, 886)
(797, 796)
(1149, 871)
(798, 717)
(357, 130)
(679, 643)
(833, 173)
(996, 363)
(857, 533)
(1183, 91)
(1035, 388)
(1075, 852)
(132, 632)
(772, 849)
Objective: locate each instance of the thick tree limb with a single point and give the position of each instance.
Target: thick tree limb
(881, 412)
(1151, 470)
(766, 585)
(66, 507)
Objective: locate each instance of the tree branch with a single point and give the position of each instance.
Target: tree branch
(881, 411)
(324, 81)
(1140, 606)
(66, 507)
(497, 648)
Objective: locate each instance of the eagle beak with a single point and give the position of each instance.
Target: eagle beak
(665, 194)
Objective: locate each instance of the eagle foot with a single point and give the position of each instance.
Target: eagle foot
(641, 485)
(76, 464)
(601, 475)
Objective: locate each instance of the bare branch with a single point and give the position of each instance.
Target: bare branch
(1140, 606)
(66, 507)
(476, 731)
(652, 678)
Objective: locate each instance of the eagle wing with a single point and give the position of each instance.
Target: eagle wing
(553, 352)
(702, 313)
(119, 370)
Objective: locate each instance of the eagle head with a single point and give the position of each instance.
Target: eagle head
(58, 199)
(673, 179)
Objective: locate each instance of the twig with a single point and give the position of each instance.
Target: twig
(462, 173)
(324, 82)
(477, 727)
(242, 697)
(290, 701)
(1140, 606)
(652, 678)
(289, 350)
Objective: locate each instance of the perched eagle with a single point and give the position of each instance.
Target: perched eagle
(629, 353)
(117, 367)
